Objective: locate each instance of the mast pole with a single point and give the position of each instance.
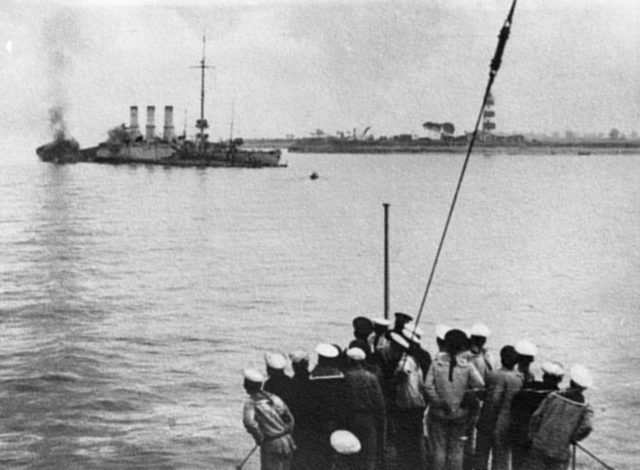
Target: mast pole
(202, 122)
(202, 67)
(386, 260)
(493, 71)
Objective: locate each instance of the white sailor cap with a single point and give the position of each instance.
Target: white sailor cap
(480, 329)
(275, 360)
(526, 348)
(356, 354)
(399, 339)
(411, 326)
(382, 322)
(410, 336)
(327, 350)
(298, 355)
(441, 331)
(345, 443)
(581, 376)
(552, 368)
(252, 375)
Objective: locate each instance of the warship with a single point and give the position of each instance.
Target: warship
(127, 145)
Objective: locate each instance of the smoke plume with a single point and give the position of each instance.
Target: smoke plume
(61, 40)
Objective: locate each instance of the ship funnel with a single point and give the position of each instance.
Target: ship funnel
(133, 127)
(151, 124)
(169, 134)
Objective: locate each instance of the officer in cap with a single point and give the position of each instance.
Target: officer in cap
(563, 418)
(401, 320)
(278, 382)
(368, 411)
(331, 408)
(268, 419)
(524, 404)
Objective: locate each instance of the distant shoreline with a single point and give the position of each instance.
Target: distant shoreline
(417, 146)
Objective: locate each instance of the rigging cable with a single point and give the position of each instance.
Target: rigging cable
(495, 65)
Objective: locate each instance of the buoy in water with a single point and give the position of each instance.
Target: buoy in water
(314, 176)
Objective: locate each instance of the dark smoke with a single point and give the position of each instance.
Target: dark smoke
(61, 38)
(56, 123)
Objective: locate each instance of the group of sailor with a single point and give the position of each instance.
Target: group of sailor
(385, 403)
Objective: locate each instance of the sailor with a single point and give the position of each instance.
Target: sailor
(267, 418)
(362, 328)
(450, 379)
(509, 381)
(330, 409)
(278, 382)
(409, 407)
(378, 338)
(368, 415)
(526, 354)
(413, 334)
(524, 404)
(441, 331)
(563, 418)
(301, 408)
(480, 358)
(485, 439)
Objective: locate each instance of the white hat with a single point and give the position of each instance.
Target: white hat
(479, 329)
(410, 335)
(411, 326)
(526, 348)
(442, 330)
(552, 368)
(399, 339)
(299, 355)
(382, 322)
(253, 375)
(327, 350)
(356, 354)
(275, 360)
(581, 376)
(345, 443)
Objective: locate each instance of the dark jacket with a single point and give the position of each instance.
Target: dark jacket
(560, 420)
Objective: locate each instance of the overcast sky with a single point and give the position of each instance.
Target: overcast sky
(294, 66)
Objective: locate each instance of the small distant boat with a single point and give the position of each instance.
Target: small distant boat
(583, 152)
(314, 176)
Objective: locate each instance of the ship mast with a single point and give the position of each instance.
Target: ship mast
(202, 122)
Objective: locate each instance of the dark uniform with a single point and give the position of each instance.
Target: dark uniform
(523, 405)
(367, 421)
(328, 411)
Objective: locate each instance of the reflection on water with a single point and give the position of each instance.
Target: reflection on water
(132, 296)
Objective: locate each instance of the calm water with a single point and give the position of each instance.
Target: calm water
(131, 298)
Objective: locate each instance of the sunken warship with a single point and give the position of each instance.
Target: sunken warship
(128, 145)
